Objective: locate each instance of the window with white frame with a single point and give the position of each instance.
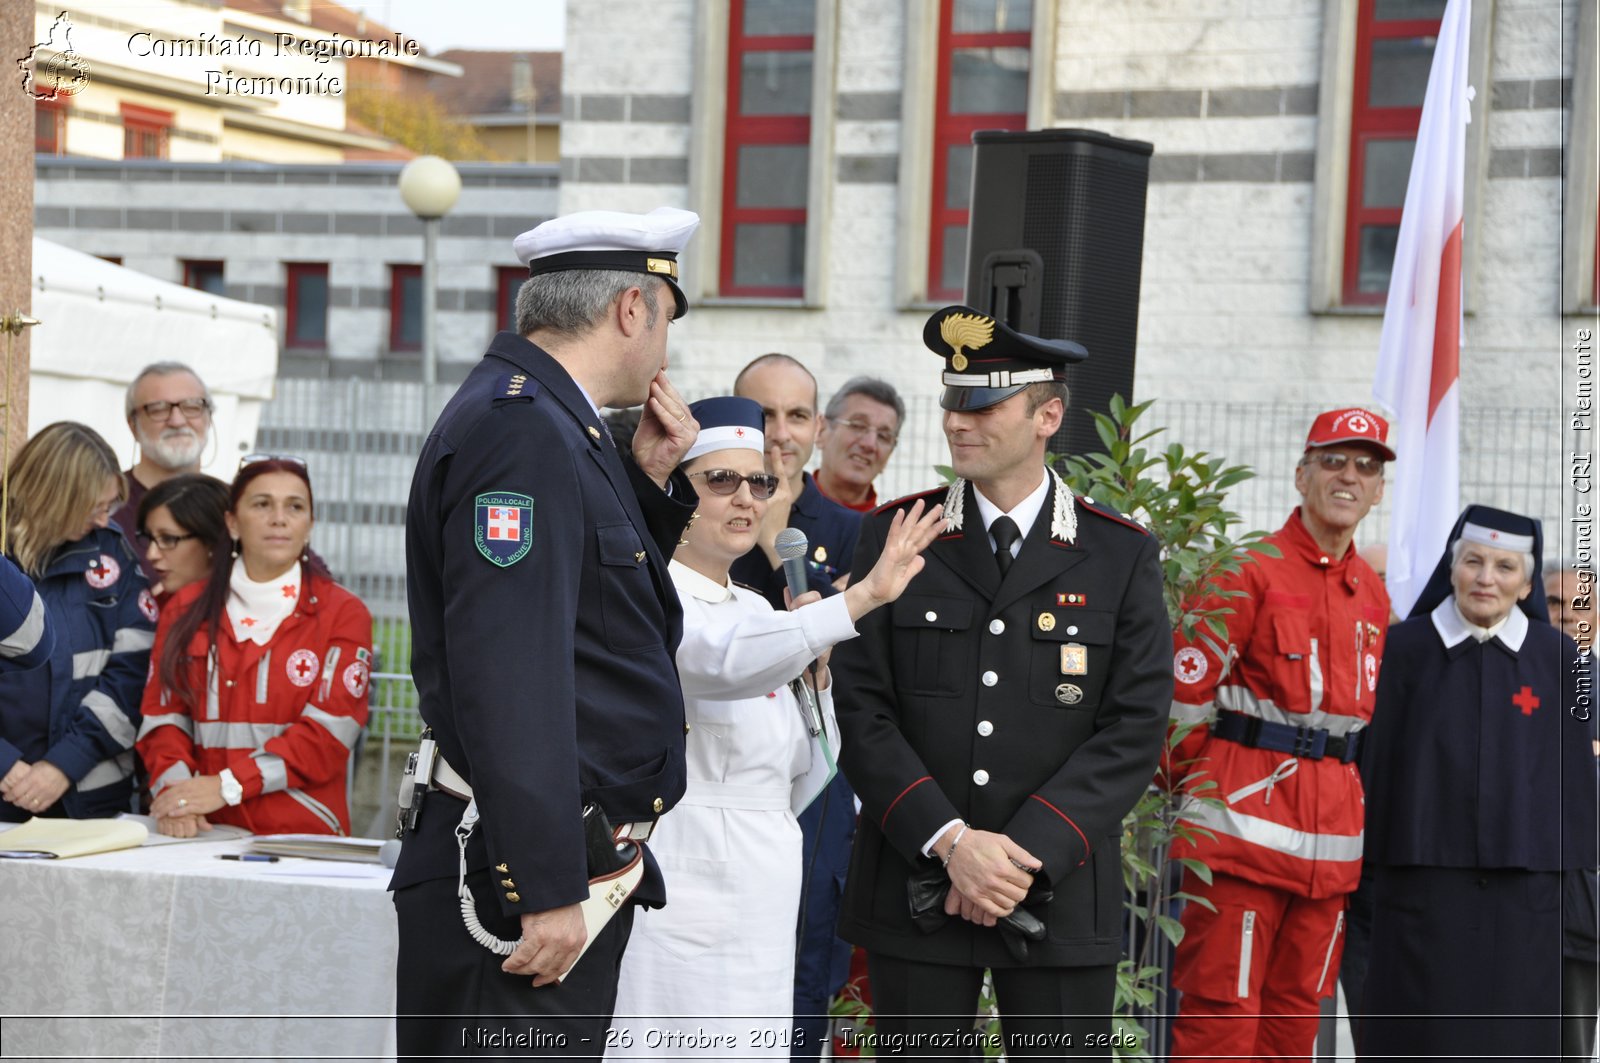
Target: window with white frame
(761, 148)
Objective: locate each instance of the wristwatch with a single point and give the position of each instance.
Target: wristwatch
(232, 789)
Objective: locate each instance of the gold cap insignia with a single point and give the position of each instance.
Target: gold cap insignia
(657, 805)
(965, 332)
(662, 265)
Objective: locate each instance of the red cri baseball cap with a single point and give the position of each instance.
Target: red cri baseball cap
(1350, 425)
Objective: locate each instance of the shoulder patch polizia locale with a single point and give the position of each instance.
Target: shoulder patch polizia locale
(502, 527)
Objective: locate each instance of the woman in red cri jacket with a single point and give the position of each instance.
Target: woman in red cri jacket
(260, 684)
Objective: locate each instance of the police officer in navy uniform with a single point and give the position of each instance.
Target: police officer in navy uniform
(1001, 719)
(544, 627)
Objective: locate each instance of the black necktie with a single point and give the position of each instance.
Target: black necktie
(1005, 533)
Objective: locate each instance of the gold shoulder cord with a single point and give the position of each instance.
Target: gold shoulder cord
(12, 325)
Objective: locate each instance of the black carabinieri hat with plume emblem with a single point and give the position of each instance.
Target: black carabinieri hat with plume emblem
(987, 361)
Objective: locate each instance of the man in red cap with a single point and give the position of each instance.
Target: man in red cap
(1286, 693)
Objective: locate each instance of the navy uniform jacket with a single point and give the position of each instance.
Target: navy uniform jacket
(26, 635)
(1035, 708)
(548, 681)
(1476, 758)
(831, 533)
(79, 707)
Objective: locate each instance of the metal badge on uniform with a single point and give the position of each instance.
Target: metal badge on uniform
(503, 527)
(1047, 621)
(821, 556)
(1069, 693)
(1074, 659)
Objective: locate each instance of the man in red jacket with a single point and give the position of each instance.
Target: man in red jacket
(1287, 700)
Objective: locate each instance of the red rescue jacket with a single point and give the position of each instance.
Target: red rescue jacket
(1304, 645)
(284, 716)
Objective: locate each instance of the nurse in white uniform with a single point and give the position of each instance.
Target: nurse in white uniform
(711, 975)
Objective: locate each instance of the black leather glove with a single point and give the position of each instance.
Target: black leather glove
(927, 888)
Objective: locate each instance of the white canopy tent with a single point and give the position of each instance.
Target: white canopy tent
(99, 324)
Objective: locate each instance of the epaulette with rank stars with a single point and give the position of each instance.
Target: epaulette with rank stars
(514, 386)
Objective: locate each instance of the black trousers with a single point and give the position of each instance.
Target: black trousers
(926, 1010)
(452, 1001)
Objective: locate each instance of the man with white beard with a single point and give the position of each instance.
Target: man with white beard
(169, 414)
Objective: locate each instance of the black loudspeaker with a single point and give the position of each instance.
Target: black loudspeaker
(1054, 248)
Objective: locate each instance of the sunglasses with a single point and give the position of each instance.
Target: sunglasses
(1334, 461)
(165, 542)
(726, 482)
(251, 459)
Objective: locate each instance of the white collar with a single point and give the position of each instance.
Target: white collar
(1024, 512)
(1453, 627)
(1063, 516)
(697, 585)
(256, 609)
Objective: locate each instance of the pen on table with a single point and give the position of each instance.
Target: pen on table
(251, 858)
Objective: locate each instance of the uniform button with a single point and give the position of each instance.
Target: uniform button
(930, 616)
(1323, 560)
(657, 805)
(980, 777)
(685, 728)
(1088, 500)
(997, 627)
(990, 679)
(508, 884)
(1072, 630)
(513, 897)
(228, 682)
(985, 728)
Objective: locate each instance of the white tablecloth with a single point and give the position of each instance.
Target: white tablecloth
(168, 951)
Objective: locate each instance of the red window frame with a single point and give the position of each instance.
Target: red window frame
(950, 130)
(507, 282)
(192, 268)
(56, 112)
(140, 121)
(293, 271)
(755, 129)
(398, 275)
(1370, 124)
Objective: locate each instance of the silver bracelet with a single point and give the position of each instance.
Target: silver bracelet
(951, 852)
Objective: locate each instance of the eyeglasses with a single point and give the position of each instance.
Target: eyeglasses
(1335, 461)
(165, 542)
(858, 429)
(726, 482)
(192, 409)
(251, 459)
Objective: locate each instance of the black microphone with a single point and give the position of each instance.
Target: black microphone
(791, 546)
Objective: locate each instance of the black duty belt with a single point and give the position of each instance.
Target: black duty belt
(1309, 742)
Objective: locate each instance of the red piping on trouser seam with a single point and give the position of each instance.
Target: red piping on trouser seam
(883, 823)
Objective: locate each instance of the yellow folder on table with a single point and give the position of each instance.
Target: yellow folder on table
(43, 839)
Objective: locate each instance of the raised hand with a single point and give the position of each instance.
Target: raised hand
(909, 534)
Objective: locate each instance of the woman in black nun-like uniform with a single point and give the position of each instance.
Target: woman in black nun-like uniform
(1480, 784)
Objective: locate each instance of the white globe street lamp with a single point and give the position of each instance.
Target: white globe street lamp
(430, 186)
